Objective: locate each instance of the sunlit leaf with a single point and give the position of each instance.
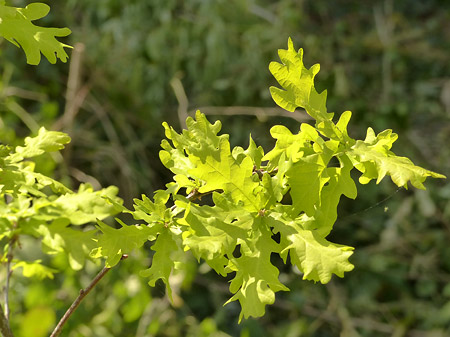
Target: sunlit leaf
(16, 26)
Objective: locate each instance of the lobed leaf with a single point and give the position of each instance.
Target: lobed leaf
(59, 237)
(213, 232)
(316, 257)
(375, 160)
(45, 141)
(298, 83)
(34, 269)
(162, 262)
(116, 242)
(256, 279)
(16, 26)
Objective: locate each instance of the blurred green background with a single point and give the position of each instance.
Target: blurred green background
(138, 63)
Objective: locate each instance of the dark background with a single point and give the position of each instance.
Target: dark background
(139, 63)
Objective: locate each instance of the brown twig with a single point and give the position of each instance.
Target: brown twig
(182, 99)
(261, 172)
(73, 98)
(8, 277)
(9, 257)
(4, 325)
(83, 292)
(195, 194)
(261, 113)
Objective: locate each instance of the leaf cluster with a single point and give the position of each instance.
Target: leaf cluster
(36, 205)
(291, 192)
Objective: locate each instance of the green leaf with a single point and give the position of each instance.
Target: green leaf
(16, 26)
(298, 83)
(255, 152)
(375, 161)
(35, 269)
(316, 257)
(213, 232)
(306, 181)
(162, 262)
(58, 237)
(256, 279)
(116, 242)
(339, 182)
(225, 173)
(41, 182)
(86, 205)
(45, 141)
(210, 162)
(200, 140)
(293, 147)
(152, 212)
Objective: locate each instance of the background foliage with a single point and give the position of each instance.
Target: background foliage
(143, 62)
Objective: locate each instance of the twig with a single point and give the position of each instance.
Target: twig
(182, 99)
(73, 102)
(8, 277)
(9, 257)
(23, 115)
(83, 292)
(4, 325)
(23, 93)
(260, 112)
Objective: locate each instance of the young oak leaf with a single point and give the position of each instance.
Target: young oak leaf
(42, 181)
(45, 141)
(374, 158)
(256, 279)
(162, 261)
(152, 211)
(116, 242)
(86, 205)
(223, 172)
(306, 181)
(293, 147)
(16, 26)
(35, 269)
(316, 257)
(307, 177)
(339, 183)
(298, 83)
(255, 152)
(200, 139)
(213, 232)
(59, 237)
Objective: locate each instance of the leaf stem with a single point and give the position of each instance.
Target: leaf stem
(195, 194)
(4, 325)
(83, 292)
(261, 171)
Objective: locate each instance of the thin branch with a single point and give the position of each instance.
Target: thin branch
(9, 257)
(195, 194)
(4, 325)
(182, 99)
(261, 113)
(73, 99)
(83, 292)
(23, 115)
(8, 277)
(23, 93)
